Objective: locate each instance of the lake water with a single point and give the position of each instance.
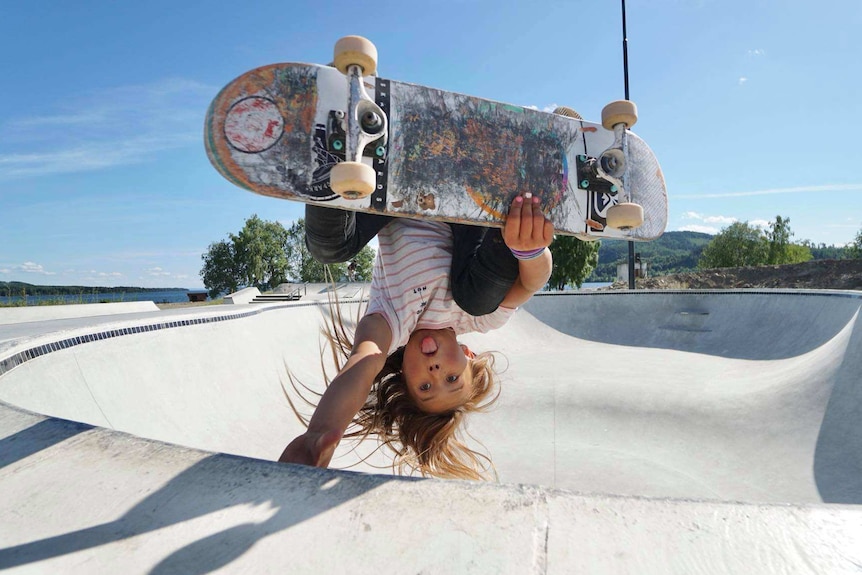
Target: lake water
(162, 296)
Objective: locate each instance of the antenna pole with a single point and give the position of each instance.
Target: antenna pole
(626, 80)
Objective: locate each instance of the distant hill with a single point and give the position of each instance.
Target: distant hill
(678, 252)
(673, 252)
(17, 288)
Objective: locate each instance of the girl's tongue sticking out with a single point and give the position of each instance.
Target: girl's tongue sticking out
(428, 345)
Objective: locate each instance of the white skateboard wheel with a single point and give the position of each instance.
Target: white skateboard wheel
(619, 112)
(352, 180)
(625, 216)
(567, 112)
(355, 51)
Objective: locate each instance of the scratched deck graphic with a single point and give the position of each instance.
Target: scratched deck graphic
(449, 157)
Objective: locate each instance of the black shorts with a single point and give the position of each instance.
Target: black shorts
(483, 269)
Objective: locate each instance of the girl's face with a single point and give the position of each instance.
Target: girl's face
(437, 370)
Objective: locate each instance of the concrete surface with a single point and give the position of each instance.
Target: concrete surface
(647, 432)
(9, 315)
(243, 296)
(324, 291)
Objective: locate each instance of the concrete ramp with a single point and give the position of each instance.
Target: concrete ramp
(753, 396)
(647, 432)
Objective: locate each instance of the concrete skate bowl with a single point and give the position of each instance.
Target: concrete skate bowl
(739, 395)
(751, 395)
(634, 419)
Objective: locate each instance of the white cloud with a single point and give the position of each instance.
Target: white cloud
(714, 224)
(720, 220)
(699, 228)
(103, 278)
(832, 188)
(157, 272)
(119, 126)
(548, 109)
(33, 268)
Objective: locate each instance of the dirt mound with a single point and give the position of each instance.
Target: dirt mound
(817, 274)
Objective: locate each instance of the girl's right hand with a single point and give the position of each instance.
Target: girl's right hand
(526, 227)
(312, 448)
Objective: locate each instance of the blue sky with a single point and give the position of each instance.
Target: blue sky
(752, 107)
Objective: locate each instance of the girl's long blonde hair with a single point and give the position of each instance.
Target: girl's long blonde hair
(430, 444)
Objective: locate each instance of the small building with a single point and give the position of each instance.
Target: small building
(196, 296)
(641, 269)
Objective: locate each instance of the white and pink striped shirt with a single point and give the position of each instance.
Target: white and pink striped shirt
(410, 283)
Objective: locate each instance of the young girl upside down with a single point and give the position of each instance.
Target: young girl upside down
(407, 379)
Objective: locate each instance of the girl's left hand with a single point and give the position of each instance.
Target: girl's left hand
(526, 227)
(313, 449)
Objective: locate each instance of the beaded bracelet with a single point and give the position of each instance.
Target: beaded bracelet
(527, 255)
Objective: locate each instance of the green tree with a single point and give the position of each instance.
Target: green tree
(574, 261)
(798, 253)
(254, 257)
(303, 267)
(737, 245)
(301, 264)
(781, 251)
(363, 265)
(855, 249)
(779, 235)
(220, 273)
(260, 249)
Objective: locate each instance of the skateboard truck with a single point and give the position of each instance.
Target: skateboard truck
(612, 166)
(600, 175)
(363, 126)
(336, 137)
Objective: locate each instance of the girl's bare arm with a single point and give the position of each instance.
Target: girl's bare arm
(527, 229)
(344, 397)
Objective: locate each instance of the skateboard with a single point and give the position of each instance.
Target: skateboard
(344, 137)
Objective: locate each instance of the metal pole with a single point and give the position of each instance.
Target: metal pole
(626, 80)
(625, 52)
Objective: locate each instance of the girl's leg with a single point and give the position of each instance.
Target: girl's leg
(334, 236)
(483, 268)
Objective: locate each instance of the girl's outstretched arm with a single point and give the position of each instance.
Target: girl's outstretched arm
(527, 229)
(344, 397)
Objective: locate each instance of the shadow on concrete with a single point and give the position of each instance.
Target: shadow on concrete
(838, 454)
(213, 484)
(37, 437)
(731, 324)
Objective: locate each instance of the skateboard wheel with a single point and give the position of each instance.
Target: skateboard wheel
(355, 51)
(619, 112)
(352, 180)
(567, 112)
(625, 216)
(613, 162)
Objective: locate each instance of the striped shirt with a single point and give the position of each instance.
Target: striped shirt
(410, 283)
